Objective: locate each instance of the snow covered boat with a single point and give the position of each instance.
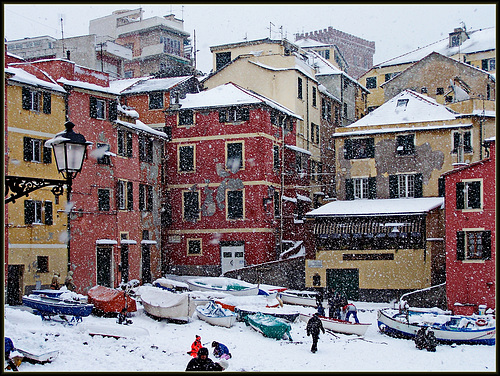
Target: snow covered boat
(305, 298)
(447, 328)
(50, 306)
(339, 326)
(269, 326)
(276, 312)
(214, 314)
(108, 300)
(222, 285)
(171, 285)
(48, 292)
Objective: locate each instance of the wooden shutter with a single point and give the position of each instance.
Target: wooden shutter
(393, 186)
(47, 155)
(372, 188)
(474, 194)
(460, 245)
(486, 237)
(26, 98)
(418, 185)
(47, 103)
(48, 213)
(441, 187)
(149, 197)
(130, 195)
(113, 111)
(370, 148)
(29, 212)
(93, 107)
(460, 195)
(349, 189)
(467, 142)
(28, 154)
(347, 149)
(129, 144)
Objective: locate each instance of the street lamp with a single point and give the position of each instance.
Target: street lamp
(69, 151)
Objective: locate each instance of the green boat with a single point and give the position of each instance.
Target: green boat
(269, 326)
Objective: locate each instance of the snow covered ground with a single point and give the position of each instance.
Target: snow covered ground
(162, 346)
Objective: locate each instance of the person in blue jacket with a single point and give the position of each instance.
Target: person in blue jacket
(221, 351)
(9, 346)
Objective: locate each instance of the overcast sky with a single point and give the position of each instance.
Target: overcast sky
(395, 29)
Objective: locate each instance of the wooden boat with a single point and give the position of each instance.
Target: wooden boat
(171, 285)
(50, 306)
(108, 300)
(216, 315)
(339, 326)
(305, 298)
(269, 326)
(48, 292)
(447, 328)
(276, 312)
(218, 285)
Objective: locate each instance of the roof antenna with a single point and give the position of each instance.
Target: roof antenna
(62, 32)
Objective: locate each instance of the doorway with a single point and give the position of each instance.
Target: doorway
(232, 255)
(345, 281)
(15, 276)
(104, 276)
(124, 262)
(146, 263)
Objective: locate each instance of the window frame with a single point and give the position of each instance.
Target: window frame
(103, 203)
(359, 148)
(124, 195)
(191, 214)
(405, 144)
(180, 149)
(235, 206)
(469, 195)
(463, 242)
(124, 143)
(146, 144)
(185, 117)
(105, 159)
(371, 82)
(42, 264)
(299, 88)
(241, 152)
(156, 100)
(200, 247)
(145, 197)
(37, 212)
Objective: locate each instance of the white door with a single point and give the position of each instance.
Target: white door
(232, 257)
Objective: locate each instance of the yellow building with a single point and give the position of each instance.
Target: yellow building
(476, 48)
(36, 224)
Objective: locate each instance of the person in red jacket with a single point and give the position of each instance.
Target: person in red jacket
(195, 347)
(350, 309)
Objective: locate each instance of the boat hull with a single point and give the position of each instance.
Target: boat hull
(340, 326)
(443, 333)
(110, 300)
(215, 315)
(212, 285)
(56, 306)
(290, 317)
(269, 326)
(304, 298)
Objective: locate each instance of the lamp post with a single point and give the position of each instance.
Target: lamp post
(69, 151)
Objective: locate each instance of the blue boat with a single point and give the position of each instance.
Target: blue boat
(48, 292)
(51, 306)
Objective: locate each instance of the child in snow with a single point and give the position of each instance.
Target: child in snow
(203, 363)
(195, 347)
(221, 351)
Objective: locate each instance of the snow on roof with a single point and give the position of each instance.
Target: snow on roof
(120, 85)
(299, 65)
(406, 107)
(140, 126)
(480, 40)
(150, 84)
(230, 94)
(400, 130)
(88, 86)
(307, 42)
(20, 75)
(300, 150)
(395, 206)
(324, 67)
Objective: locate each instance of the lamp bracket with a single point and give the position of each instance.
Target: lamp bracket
(20, 186)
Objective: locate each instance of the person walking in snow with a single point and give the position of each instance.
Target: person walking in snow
(221, 351)
(203, 363)
(313, 328)
(195, 347)
(350, 309)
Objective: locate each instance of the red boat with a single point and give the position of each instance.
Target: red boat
(108, 300)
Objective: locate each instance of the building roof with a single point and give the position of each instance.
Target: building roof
(150, 84)
(406, 107)
(396, 206)
(479, 40)
(23, 77)
(230, 94)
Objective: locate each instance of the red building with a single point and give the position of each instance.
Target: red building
(115, 202)
(232, 174)
(470, 234)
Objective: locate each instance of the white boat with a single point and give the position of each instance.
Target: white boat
(305, 298)
(339, 326)
(165, 304)
(222, 285)
(214, 314)
(477, 329)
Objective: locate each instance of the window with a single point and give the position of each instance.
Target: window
(405, 185)
(468, 195)
(35, 151)
(156, 101)
(359, 148)
(124, 195)
(103, 154)
(299, 88)
(402, 103)
(47, 103)
(315, 133)
(191, 205)
(145, 148)
(462, 142)
(345, 110)
(186, 158)
(361, 188)
(234, 156)
(488, 64)
(314, 97)
(38, 212)
(423, 90)
(371, 82)
(129, 74)
(234, 204)
(405, 145)
(276, 157)
(440, 91)
(31, 99)
(124, 143)
(103, 199)
(221, 59)
(186, 117)
(473, 245)
(97, 108)
(145, 197)
(233, 115)
(277, 204)
(194, 247)
(42, 264)
(301, 163)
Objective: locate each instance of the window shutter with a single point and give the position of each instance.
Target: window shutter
(129, 144)
(456, 141)
(418, 185)
(486, 245)
(467, 142)
(149, 198)
(29, 212)
(142, 189)
(113, 111)
(372, 188)
(26, 98)
(441, 187)
(47, 103)
(474, 194)
(118, 194)
(370, 148)
(349, 189)
(93, 107)
(142, 153)
(48, 213)
(393, 186)
(460, 195)
(130, 196)
(27, 149)
(460, 245)
(47, 155)
(347, 149)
